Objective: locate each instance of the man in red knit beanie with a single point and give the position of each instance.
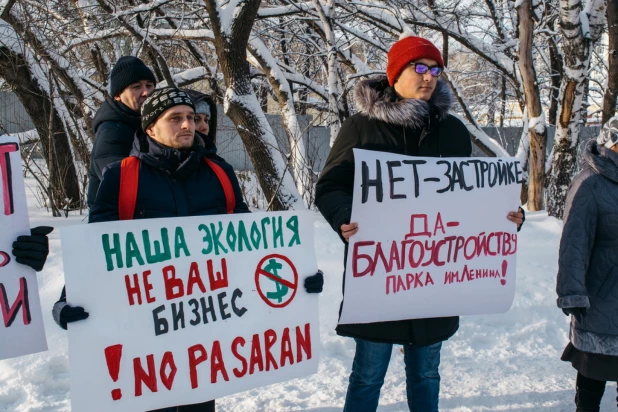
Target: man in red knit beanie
(405, 112)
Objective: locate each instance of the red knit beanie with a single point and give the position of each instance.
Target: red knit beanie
(407, 50)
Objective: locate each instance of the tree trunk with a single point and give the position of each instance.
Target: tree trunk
(298, 154)
(537, 132)
(242, 106)
(555, 61)
(503, 101)
(64, 186)
(325, 12)
(576, 52)
(611, 92)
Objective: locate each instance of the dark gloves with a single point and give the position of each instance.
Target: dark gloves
(33, 250)
(64, 313)
(577, 312)
(315, 283)
(68, 314)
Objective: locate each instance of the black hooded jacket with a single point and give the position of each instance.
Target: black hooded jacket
(387, 123)
(114, 126)
(172, 183)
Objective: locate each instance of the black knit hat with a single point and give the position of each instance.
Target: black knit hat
(160, 100)
(128, 70)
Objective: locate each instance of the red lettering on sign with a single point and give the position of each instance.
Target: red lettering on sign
(9, 312)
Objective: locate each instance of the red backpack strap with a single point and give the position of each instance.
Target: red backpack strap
(228, 189)
(129, 179)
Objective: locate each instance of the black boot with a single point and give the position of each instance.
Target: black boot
(589, 394)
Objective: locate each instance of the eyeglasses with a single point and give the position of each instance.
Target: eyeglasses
(421, 68)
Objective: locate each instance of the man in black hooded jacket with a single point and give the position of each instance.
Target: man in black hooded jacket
(174, 180)
(405, 112)
(118, 118)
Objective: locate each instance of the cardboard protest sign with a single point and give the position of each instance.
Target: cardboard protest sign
(433, 239)
(185, 310)
(21, 325)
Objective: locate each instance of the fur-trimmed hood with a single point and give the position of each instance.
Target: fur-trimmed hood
(602, 160)
(377, 100)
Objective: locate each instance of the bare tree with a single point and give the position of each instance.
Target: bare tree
(503, 57)
(611, 91)
(232, 26)
(32, 83)
(581, 26)
(537, 132)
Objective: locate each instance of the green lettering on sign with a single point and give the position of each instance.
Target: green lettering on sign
(292, 224)
(180, 243)
(158, 255)
(242, 237)
(277, 231)
(133, 250)
(231, 236)
(111, 251)
(207, 239)
(216, 234)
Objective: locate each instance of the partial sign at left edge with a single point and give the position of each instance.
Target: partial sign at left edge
(21, 321)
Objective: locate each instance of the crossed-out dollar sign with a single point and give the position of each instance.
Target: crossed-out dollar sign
(282, 290)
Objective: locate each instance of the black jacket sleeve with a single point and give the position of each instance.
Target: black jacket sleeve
(105, 207)
(336, 183)
(113, 142)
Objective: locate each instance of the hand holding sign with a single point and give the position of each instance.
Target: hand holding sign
(347, 231)
(315, 283)
(70, 314)
(517, 217)
(32, 250)
(64, 313)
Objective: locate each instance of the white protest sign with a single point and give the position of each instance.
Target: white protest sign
(21, 323)
(433, 239)
(185, 310)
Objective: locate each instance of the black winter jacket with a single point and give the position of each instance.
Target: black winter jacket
(114, 126)
(171, 183)
(388, 123)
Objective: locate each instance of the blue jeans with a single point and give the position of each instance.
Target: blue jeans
(370, 365)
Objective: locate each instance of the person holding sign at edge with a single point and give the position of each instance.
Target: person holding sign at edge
(172, 171)
(404, 112)
(588, 270)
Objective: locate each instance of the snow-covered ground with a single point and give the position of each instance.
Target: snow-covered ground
(507, 362)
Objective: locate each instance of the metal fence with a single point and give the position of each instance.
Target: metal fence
(13, 116)
(317, 140)
(509, 138)
(14, 119)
